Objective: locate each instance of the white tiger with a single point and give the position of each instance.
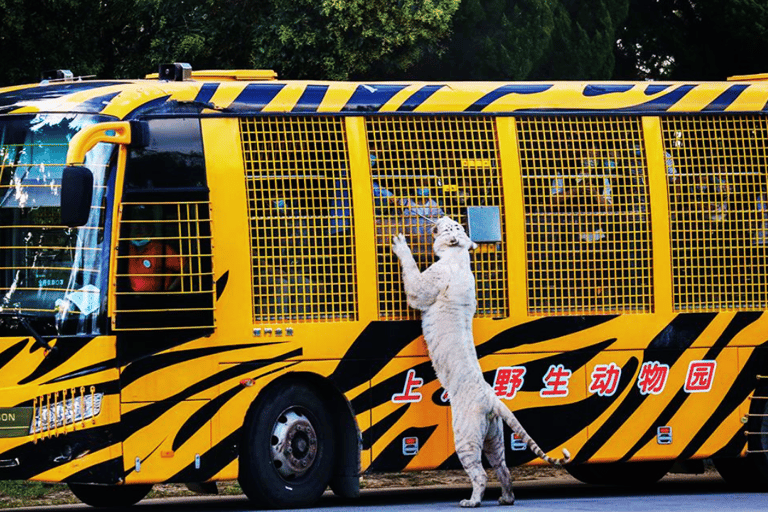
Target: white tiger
(445, 294)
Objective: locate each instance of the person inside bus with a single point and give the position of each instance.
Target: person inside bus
(153, 265)
(585, 198)
(591, 188)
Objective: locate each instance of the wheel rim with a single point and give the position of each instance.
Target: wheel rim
(293, 444)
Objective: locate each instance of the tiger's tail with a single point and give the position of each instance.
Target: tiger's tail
(517, 428)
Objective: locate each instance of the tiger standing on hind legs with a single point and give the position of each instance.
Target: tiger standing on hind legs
(445, 295)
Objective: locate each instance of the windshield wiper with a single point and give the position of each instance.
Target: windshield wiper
(22, 319)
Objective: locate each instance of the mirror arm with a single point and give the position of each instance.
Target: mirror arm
(118, 132)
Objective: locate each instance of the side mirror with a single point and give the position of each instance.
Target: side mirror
(76, 196)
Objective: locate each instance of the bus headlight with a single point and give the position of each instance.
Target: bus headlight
(53, 414)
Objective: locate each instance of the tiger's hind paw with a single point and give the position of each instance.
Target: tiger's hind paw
(507, 500)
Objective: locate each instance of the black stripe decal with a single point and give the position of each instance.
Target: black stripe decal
(221, 284)
(8, 354)
(107, 472)
(49, 92)
(725, 99)
(392, 458)
(372, 351)
(65, 349)
(601, 89)
(538, 331)
(551, 426)
(203, 415)
(681, 332)
(206, 92)
(137, 419)
(311, 98)
(138, 369)
(419, 97)
(370, 98)
(655, 89)
(146, 107)
(377, 430)
(504, 90)
(96, 104)
(739, 322)
(88, 370)
(662, 103)
(255, 97)
(744, 384)
(212, 461)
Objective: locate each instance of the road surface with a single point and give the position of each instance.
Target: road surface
(672, 494)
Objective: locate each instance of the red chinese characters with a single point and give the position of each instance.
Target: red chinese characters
(652, 378)
(605, 379)
(556, 382)
(409, 393)
(508, 380)
(701, 375)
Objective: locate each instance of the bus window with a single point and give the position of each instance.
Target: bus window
(434, 166)
(587, 215)
(300, 204)
(717, 208)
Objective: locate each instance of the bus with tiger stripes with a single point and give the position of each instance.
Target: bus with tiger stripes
(198, 285)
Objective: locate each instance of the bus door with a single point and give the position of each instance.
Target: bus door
(163, 312)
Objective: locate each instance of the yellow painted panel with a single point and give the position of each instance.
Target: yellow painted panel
(153, 444)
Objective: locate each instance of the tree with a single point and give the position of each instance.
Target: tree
(526, 39)
(324, 39)
(339, 39)
(693, 39)
(494, 40)
(36, 35)
(583, 41)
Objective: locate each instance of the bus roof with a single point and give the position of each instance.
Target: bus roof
(233, 93)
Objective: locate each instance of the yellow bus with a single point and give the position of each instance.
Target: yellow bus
(198, 286)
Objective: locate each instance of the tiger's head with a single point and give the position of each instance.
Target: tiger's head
(450, 235)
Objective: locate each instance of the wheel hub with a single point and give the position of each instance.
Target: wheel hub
(293, 445)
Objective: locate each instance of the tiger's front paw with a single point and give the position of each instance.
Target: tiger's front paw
(400, 246)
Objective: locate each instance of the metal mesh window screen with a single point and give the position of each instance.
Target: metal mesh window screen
(718, 211)
(164, 277)
(434, 166)
(587, 215)
(300, 207)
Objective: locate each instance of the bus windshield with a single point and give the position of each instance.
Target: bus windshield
(48, 272)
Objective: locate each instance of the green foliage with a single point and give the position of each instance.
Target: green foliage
(324, 39)
(583, 41)
(20, 489)
(47, 34)
(337, 39)
(379, 39)
(494, 40)
(701, 39)
(526, 39)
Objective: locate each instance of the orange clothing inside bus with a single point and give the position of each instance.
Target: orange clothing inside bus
(151, 267)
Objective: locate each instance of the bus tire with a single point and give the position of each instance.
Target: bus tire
(103, 496)
(625, 474)
(288, 448)
(739, 472)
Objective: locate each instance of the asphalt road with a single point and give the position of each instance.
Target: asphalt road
(672, 494)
